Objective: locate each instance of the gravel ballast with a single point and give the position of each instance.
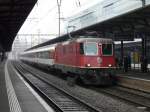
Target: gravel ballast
(102, 102)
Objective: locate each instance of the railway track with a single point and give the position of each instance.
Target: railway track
(134, 97)
(138, 98)
(59, 99)
(142, 84)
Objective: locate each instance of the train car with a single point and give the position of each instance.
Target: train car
(43, 57)
(88, 59)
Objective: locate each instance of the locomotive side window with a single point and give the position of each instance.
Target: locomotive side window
(107, 49)
(91, 48)
(81, 48)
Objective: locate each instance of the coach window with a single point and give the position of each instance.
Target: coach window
(43, 54)
(31, 55)
(47, 54)
(36, 55)
(40, 54)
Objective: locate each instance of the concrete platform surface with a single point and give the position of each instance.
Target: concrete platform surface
(27, 101)
(16, 95)
(4, 104)
(134, 74)
(135, 80)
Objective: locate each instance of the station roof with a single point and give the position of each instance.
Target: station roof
(12, 15)
(131, 44)
(123, 27)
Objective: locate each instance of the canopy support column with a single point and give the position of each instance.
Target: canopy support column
(122, 52)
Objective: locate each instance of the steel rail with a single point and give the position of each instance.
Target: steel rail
(134, 97)
(73, 103)
(129, 97)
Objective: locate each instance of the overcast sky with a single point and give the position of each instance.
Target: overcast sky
(44, 16)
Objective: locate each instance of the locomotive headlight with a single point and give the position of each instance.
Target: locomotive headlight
(88, 65)
(110, 65)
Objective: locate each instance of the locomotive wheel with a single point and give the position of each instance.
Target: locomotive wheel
(113, 78)
(93, 77)
(90, 78)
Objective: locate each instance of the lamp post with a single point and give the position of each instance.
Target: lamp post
(143, 3)
(59, 5)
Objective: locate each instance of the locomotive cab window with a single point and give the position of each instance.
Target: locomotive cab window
(107, 49)
(91, 48)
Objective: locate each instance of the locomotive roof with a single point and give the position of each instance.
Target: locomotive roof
(81, 39)
(100, 40)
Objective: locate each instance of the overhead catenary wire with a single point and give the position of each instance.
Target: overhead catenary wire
(43, 17)
(58, 5)
(48, 12)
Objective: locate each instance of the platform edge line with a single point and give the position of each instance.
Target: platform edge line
(38, 97)
(14, 105)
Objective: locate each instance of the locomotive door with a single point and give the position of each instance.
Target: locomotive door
(76, 54)
(99, 49)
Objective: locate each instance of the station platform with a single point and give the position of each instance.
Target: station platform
(134, 79)
(15, 95)
(134, 73)
(4, 104)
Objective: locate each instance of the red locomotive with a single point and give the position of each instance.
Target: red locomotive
(88, 59)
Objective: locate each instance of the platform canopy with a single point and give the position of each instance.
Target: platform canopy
(12, 15)
(128, 26)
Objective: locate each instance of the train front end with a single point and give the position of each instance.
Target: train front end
(97, 60)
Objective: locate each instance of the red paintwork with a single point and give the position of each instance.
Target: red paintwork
(66, 54)
(69, 54)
